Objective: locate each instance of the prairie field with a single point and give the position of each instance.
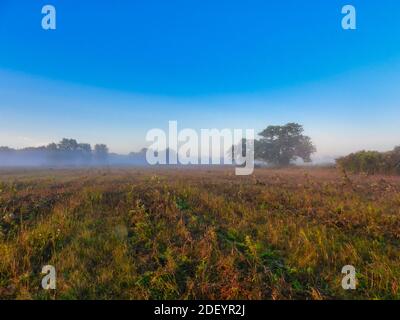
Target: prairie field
(198, 233)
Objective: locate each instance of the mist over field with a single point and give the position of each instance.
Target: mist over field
(42, 157)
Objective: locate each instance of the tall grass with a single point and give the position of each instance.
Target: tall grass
(130, 234)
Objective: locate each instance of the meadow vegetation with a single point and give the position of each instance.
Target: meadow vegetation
(372, 162)
(198, 234)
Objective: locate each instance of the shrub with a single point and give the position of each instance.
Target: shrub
(372, 162)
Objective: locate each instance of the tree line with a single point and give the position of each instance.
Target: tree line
(276, 145)
(66, 152)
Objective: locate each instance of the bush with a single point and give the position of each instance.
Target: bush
(372, 162)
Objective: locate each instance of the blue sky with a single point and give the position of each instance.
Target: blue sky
(114, 69)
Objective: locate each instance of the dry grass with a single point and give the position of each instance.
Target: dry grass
(198, 234)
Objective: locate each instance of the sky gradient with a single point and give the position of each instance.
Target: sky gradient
(114, 69)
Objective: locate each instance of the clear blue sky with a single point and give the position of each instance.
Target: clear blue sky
(114, 69)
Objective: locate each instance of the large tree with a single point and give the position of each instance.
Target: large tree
(280, 145)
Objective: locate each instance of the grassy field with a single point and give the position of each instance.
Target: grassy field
(198, 234)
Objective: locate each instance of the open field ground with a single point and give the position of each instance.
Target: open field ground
(198, 234)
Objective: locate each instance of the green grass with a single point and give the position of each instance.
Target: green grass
(205, 234)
